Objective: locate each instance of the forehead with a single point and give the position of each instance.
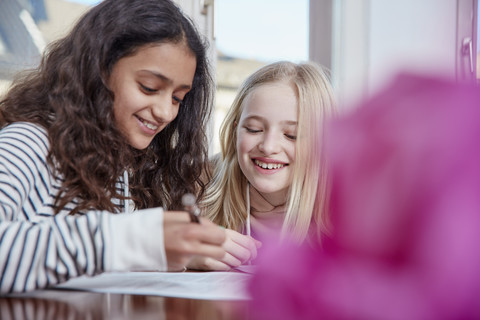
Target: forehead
(272, 101)
(175, 61)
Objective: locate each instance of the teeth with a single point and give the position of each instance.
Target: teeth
(269, 165)
(149, 125)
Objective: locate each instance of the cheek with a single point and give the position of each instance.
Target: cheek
(243, 148)
(117, 112)
(243, 158)
(244, 144)
(291, 153)
(120, 112)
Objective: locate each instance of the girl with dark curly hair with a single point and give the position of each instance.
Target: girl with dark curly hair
(112, 121)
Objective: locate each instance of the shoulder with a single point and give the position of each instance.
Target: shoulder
(24, 146)
(214, 161)
(24, 172)
(24, 127)
(24, 137)
(210, 168)
(29, 130)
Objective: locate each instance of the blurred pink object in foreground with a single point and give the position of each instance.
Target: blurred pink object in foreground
(406, 212)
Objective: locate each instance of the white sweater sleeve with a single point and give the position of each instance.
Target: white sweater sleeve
(136, 242)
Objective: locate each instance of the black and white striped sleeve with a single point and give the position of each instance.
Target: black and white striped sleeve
(37, 249)
(39, 255)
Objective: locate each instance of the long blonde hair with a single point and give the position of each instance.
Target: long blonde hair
(307, 203)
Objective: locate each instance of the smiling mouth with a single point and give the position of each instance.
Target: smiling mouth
(269, 166)
(147, 124)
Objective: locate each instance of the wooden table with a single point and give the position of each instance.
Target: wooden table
(64, 304)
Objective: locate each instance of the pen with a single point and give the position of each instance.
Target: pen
(190, 205)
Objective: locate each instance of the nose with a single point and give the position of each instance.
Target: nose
(164, 109)
(270, 143)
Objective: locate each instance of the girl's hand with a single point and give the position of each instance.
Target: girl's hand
(185, 240)
(240, 249)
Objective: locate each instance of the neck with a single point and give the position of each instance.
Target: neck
(264, 203)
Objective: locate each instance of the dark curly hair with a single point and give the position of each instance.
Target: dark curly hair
(68, 95)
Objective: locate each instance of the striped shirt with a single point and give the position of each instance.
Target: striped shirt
(39, 249)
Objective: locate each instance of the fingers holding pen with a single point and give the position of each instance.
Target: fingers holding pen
(240, 247)
(205, 238)
(183, 239)
(205, 245)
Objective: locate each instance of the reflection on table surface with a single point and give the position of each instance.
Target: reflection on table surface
(60, 304)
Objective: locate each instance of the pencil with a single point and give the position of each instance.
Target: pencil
(189, 203)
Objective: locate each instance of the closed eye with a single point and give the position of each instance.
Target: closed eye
(177, 100)
(291, 137)
(252, 130)
(147, 89)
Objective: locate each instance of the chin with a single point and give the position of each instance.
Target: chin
(268, 189)
(140, 146)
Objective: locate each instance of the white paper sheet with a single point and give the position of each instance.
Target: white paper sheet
(191, 285)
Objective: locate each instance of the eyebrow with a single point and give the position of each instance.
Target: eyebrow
(166, 79)
(259, 118)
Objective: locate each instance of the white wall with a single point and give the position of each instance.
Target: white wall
(412, 35)
(372, 40)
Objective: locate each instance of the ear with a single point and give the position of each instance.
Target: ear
(234, 124)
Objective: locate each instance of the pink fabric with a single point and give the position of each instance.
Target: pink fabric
(406, 212)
